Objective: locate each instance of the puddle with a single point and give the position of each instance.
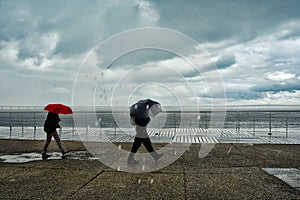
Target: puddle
(289, 175)
(29, 157)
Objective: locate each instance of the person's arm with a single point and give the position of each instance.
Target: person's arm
(57, 122)
(132, 120)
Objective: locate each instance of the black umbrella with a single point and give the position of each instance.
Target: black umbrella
(142, 110)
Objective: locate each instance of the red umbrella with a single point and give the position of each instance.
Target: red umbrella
(58, 108)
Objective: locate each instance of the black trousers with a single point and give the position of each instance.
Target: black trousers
(138, 142)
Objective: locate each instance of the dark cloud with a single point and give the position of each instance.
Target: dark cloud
(218, 20)
(80, 25)
(45, 42)
(292, 33)
(225, 61)
(277, 87)
(142, 56)
(243, 94)
(234, 94)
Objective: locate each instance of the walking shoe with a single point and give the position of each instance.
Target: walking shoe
(45, 156)
(65, 152)
(132, 162)
(158, 156)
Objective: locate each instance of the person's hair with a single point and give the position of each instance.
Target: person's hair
(52, 115)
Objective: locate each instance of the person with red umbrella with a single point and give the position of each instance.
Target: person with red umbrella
(50, 125)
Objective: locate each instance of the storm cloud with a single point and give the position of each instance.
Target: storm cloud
(254, 45)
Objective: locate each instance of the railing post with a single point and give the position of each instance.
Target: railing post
(115, 132)
(270, 123)
(34, 126)
(159, 126)
(206, 120)
(286, 127)
(10, 126)
(237, 129)
(22, 126)
(100, 131)
(175, 122)
(73, 128)
(253, 132)
(86, 125)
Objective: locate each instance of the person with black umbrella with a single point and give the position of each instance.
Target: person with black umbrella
(140, 114)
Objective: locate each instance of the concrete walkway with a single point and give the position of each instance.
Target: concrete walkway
(230, 171)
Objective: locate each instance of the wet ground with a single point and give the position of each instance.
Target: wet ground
(289, 175)
(35, 156)
(229, 171)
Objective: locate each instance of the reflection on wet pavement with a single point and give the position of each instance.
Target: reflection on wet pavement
(35, 156)
(289, 175)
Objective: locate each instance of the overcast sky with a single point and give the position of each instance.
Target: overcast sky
(254, 44)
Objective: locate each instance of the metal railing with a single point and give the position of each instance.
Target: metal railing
(28, 122)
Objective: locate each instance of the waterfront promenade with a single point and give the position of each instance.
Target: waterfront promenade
(229, 171)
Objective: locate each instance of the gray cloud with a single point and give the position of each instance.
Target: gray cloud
(80, 25)
(141, 57)
(218, 20)
(44, 43)
(277, 87)
(240, 94)
(225, 61)
(28, 90)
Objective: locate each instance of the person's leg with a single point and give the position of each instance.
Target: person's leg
(142, 132)
(59, 144)
(147, 143)
(47, 142)
(136, 145)
(45, 147)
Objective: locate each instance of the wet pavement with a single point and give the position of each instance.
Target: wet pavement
(35, 156)
(289, 175)
(229, 171)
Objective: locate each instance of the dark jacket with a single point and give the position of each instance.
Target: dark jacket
(139, 112)
(51, 122)
(140, 122)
